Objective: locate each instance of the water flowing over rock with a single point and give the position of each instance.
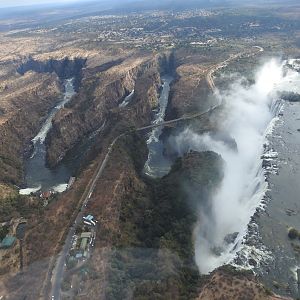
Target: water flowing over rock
(249, 112)
(37, 174)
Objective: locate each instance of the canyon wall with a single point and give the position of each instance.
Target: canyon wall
(26, 100)
(100, 95)
(64, 68)
(25, 103)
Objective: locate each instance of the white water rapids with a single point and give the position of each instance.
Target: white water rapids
(250, 111)
(69, 92)
(37, 175)
(127, 99)
(157, 165)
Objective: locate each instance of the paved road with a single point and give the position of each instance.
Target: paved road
(209, 76)
(58, 271)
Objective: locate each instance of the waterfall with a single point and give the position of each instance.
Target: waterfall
(250, 114)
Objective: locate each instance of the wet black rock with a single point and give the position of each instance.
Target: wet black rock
(216, 250)
(290, 96)
(252, 262)
(293, 233)
(230, 238)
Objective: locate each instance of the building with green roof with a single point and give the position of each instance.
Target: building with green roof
(7, 242)
(83, 244)
(86, 235)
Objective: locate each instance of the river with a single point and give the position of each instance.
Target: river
(157, 164)
(38, 177)
(280, 255)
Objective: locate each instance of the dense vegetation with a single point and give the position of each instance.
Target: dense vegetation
(154, 253)
(19, 206)
(3, 231)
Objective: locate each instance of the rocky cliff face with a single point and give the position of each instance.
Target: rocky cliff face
(189, 92)
(26, 99)
(64, 68)
(26, 102)
(100, 95)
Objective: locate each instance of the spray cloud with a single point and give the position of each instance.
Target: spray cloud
(250, 110)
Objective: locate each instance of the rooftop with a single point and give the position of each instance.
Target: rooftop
(83, 243)
(8, 242)
(86, 235)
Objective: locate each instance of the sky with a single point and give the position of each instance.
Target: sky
(10, 3)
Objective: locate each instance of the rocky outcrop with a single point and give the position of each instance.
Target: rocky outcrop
(228, 283)
(146, 96)
(290, 96)
(189, 92)
(100, 95)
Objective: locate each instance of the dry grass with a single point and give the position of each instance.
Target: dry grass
(225, 285)
(6, 192)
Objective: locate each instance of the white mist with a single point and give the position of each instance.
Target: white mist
(249, 112)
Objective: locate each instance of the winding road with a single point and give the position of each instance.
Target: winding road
(58, 271)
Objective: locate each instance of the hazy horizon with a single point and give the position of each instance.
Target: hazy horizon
(22, 3)
(15, 3)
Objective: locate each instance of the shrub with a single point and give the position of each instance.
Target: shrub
(293, 233)
(3, 231)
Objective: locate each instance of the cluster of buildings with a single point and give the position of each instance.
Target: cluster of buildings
(84, 241)
(140, 30)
